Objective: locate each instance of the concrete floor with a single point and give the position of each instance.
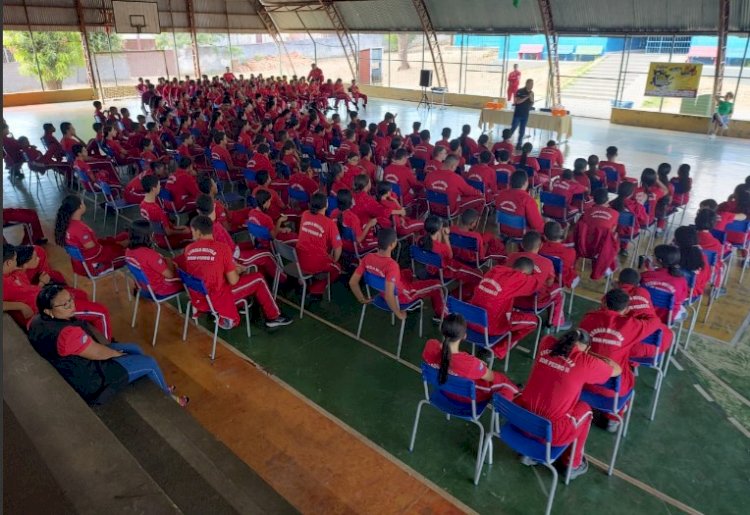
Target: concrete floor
(695, 452)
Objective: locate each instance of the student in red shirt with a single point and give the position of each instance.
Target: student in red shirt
(399, 172)
(278, 206)
(319, 245)
(134, 192)
(261, 161)
(668, 277)
(423, 150)
(183, 186)
(365, 161)
(611, 162)
(684, 183)
(394, 213)
(553, 246)
(176, 236)
(469, 146)
(517, 201)
(503, 166)
(158, 269)
(614, 333)
(525, 159)
(357, 94)
(639, 304)
(692, 258)
(705, 221)
(103, 173)
(363, 233)
(400, 285)
(212, 262)
(99, 253)
(461, 196)
(552, 154)
(219, 151)
(550, 291)
(483, 172)
(594, 235)
(436, 162)
(243, 253)
(232, 220)
(447, 357)
(654, 191)
(568, 188)
(562, 368)
(20, 294)
(496, 292)
(278, 228)
(437, 240)
(30, 219)
(628, 201)
(505, 144)
(488, 248)
(32, 259)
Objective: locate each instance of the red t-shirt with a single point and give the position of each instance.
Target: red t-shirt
(462, 364)
(553, 155)
(302, 182)
(401, 175)
(183, 187)
(153, 265)
(640, 300)
(261, 162)
(210, 261)
(423, 150)
(17, 288)
(566, 254)
(485, 174)
(452, 184)
(72, 341)
(497, 291)
(555, 383)
(258, 217)
(520, 203)
(382, 266)
(661, 279)
(80, 234)
(318, 235)
(153, 212)
(600, 216)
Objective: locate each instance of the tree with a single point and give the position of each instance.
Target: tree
(98, 42)
(403, 50)
(165, 41)
(52, 56)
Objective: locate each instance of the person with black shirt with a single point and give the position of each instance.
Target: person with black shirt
(522, 104)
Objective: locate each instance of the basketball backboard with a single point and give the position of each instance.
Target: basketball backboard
(132, 17)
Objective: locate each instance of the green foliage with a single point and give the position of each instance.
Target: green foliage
(98, 42)
(58, 54)
(165, 41)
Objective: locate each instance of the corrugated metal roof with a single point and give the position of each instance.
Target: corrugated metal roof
(497, 16)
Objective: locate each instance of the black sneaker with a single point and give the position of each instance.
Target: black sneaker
(41, 241)
(278, 322)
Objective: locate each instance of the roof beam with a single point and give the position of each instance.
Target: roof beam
(273, 31)
(86, 46)
(193, 38)
(432, 41)
(345, 37)
(545, 8)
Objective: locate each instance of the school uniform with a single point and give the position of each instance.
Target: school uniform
(567, 255)
(553, 391)
(548, 292)
(105, 253)
(466, 274)
(153, 266)
(352, 221)
(520, 203)
(407, 182)
(641, 219)
(496, 292)
(567, 189)
(29, 218)
(153, 212)
(553, 155)
(258, 217)
(707, 241)
(184, 189)
(244, 254)
(234, 219)
(463, 364)
(210, 261)
(407, 287)
(594, 237)
(134, 192)
(461, 196)
(485, 174)
(318, 237)
(640, 305)
(43, 267)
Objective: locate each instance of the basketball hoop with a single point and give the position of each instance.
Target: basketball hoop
(137, 22)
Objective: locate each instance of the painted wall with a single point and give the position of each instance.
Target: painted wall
(675, 122)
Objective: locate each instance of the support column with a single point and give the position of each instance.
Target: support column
(193, 39)
(721, 51)
(432, 42)
(345, 37)
(273, 31)
(86, 46)
(545, 8)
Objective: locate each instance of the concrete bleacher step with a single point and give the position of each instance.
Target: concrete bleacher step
(198, 473)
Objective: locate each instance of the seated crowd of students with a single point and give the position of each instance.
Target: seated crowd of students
(346, 198)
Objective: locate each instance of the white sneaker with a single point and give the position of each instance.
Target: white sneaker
(613, 426)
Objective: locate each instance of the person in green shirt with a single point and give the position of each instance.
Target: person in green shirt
(724, 109)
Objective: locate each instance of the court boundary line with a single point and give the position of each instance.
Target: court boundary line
(596, 462)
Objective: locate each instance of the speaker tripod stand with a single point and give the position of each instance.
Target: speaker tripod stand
(425, 100)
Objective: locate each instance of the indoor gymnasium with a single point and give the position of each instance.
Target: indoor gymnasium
(361, 256)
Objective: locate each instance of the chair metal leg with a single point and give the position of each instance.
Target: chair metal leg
(135, 308)
(216, 336)
(361, 320)
(629, 412)
(552, 489)
(416, 425)
(304, 297)
(538, 334)
(400, 338)
(570, 463)
(156, 323)
(481, 444)
(659, 381)
(507, 354)
(187, 319)
(421, 317)
(329, 287)
(617, 445)
(93, 287)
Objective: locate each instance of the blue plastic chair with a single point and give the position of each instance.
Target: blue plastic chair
(713, 260)
(612, 177)
(116, 204)
(144, 290)
(557, 264)
(569, 215)
(429, 259)
(417, 164)
(468, 244)
(222, 173)
(664, 300)
(503, 178)
(167, 202)
(529, 435)
(347, 234)
(333, 204)
(87, 188)
(741, 227)
(195, 285)
(511, 221)
(626, 221)
(478, 316)
(308, 151)
(439, 396)
(229, 198)
(612, 405)
(93, 275)
(374, 282)
(657, 363)
(693, 305)
(300, 197)
(544, 164)
(439, 200)
(249, 176)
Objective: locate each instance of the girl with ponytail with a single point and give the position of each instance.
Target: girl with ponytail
(563, 366)
(99, 253)
(668, 277)
(628, 202)
(692, 259)
(394, 213)
(446, 356)
(346, 218)
(525, 159)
